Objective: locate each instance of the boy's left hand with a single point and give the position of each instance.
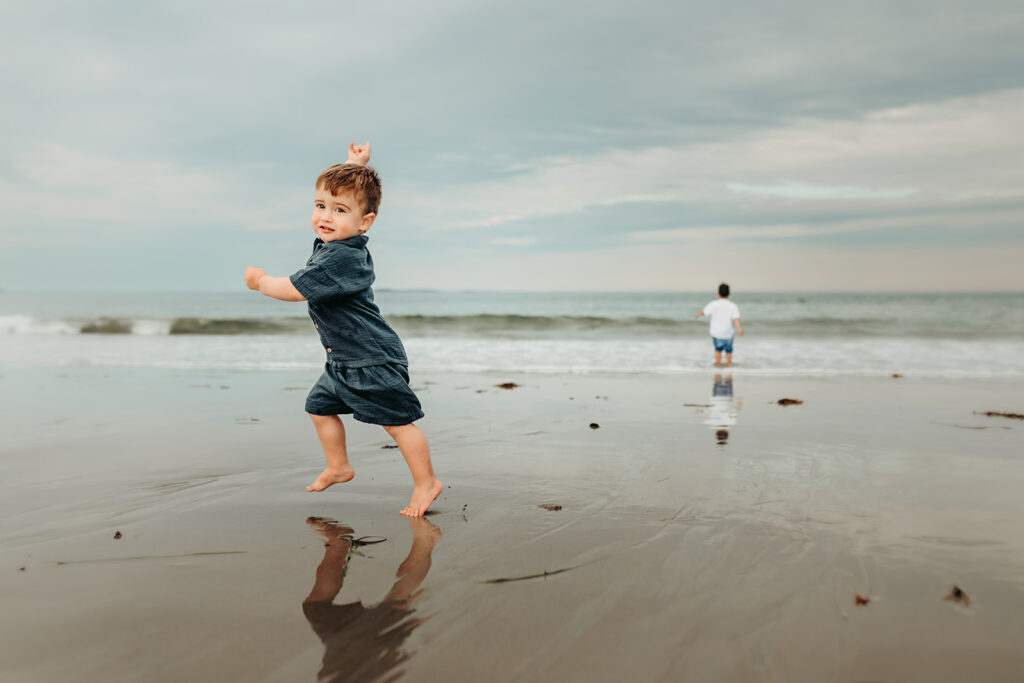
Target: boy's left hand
(359, 154)
(253, 276)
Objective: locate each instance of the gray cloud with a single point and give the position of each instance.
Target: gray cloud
(508, 128)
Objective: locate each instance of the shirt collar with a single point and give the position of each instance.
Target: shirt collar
(357, 242)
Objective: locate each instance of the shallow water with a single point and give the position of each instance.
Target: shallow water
(947, 335)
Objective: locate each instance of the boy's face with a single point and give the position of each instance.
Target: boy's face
(339, 217)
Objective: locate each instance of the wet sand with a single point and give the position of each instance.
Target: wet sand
(679, 553)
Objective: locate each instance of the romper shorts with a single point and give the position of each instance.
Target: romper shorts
(723, 344)
(377, 394)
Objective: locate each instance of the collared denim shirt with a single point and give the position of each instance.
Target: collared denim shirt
(336, 282)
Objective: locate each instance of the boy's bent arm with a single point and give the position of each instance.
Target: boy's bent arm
(280, 288)
(274, 287)
(736, 322)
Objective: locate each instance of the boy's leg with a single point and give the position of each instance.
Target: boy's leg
(332, 437)
(718, 358)
(426, 487)
(728, 358)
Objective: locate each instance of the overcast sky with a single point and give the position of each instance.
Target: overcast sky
(555, 145)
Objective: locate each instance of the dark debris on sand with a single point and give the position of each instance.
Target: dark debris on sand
(993, 413)
(507, 385)
(859, 599)
(553, 507)
(958, 596)
(790, 401)
(117, 535)
(594, 425)
(543, 575)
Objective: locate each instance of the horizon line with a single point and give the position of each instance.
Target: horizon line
(712, 290)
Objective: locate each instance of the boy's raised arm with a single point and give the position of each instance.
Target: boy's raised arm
(274, 287)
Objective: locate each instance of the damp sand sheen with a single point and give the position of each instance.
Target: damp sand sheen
(818, 541)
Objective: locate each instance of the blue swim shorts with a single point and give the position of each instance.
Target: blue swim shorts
(377, 394)
(723, 344)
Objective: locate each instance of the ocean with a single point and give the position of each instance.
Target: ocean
(931, 335)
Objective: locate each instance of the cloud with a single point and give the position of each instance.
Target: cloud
(937, 221)
(882, 163)
(793, 190)
(525, 241)
(58, 184)
(644, 126)
(748, 266)
(988, 194)
(720, 232)
(487, 222)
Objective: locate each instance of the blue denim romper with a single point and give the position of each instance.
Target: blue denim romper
(366, 373)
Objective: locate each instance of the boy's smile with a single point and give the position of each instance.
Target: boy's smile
(339, 217)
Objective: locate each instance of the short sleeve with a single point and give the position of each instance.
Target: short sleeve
(336, 272)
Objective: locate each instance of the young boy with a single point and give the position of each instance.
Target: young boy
(366, 373)
(724, 314)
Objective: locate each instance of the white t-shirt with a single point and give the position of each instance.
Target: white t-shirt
(722, 312)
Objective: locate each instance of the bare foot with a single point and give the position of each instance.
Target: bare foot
(331, 477)
(422, 497)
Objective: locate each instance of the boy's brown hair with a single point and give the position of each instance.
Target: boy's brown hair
(362, 181)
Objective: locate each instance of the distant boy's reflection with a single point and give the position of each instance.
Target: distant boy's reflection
(365, 643)
(723, 409)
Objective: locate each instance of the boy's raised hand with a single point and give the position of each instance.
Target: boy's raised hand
(253, 276)
(359, 154)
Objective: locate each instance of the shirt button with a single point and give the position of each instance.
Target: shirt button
(328, 350)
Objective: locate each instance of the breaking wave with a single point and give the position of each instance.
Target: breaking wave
(486, 325)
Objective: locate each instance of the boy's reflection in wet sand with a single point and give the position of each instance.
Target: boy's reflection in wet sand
(724, 408)
(365, 643)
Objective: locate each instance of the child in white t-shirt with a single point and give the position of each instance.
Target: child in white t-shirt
(724, 316)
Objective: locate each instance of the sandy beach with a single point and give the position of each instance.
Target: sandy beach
(155, 528)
